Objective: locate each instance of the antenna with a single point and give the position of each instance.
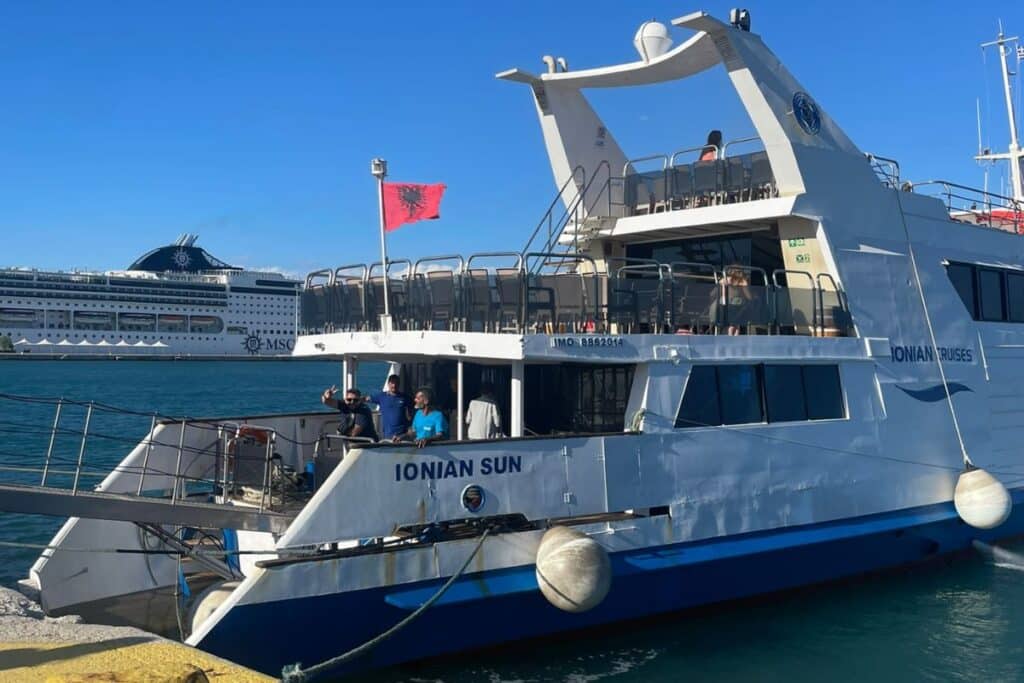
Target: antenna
(977, 102)
(1014, 155)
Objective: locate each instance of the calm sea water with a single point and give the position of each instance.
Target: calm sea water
(959, 619)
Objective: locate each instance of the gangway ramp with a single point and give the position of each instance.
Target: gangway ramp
(124, 507)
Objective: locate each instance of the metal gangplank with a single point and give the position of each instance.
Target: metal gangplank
(128, 507)
(200, 473)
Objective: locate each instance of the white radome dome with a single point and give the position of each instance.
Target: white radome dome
(652, 40)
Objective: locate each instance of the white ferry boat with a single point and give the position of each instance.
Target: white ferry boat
(174, 300)
(739, 372)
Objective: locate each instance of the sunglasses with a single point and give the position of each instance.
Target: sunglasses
(351, 400)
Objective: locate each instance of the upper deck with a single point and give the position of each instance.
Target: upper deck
(549, 294)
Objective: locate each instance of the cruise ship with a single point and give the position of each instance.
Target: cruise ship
(728, 368)
(174, 300)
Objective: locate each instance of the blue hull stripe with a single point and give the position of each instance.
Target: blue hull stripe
(267, 636)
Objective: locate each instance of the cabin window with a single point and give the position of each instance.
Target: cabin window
(962, 277)
(990, 288)
(783, 403)
(740, 394)
(749, 394)
(700, 401)
(576, 398)
(823, 395)
(1015, 297)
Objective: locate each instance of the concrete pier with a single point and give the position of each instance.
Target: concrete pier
(34, 647)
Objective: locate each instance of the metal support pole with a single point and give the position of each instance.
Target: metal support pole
(149, 449)
(53, 436)
(81, 449)
(267, 479)
(379, 170)
(177, 464)
(518, 374)
(460, 410)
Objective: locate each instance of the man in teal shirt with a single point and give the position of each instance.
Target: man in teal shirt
(429, 423)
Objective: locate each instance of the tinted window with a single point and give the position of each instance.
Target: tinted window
(822, 391)
(784, 393)
(740, 394)
(990, 286)
(962, 278)
(1015, 297)
(700, 402)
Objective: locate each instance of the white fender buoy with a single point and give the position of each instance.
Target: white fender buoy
(981, 500)
(209, 600)
(573, 570)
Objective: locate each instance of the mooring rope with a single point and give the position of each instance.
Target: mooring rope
(294, 673)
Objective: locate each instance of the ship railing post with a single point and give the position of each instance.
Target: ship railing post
(177, 464)
(53, 437)
(266, 472)
(145, 458)
(81, 449)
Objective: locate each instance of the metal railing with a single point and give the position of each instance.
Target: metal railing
(886, 170)
(544, 292)
(727, 178)
(972, 205)
(196, 457)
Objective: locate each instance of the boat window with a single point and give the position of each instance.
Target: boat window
(740, 394)
(58, 320)
(21, 317)
(748, 394)
(206, 324)
(762, 251)
(700, 400)
(962, 277)
(784, 402)
(172, 323)
(1015, 297)
(824, 396)
(576, 398)
(93, 320)
(990, 288)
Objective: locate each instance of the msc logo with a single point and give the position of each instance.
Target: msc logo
(254, 345)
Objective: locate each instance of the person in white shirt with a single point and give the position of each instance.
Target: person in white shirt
(483, 419)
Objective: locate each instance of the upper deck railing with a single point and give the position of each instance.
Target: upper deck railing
(701, 175)
(886, 170)
(971, 205)
(541, 292)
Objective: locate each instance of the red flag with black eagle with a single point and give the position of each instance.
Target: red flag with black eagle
(408, 203)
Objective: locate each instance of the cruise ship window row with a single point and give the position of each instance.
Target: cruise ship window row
(25, 318)
(100, 297)
(717, 395)
(75, 287)
(119, 284)
(989, 294)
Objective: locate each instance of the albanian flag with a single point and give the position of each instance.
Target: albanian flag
(408, 203)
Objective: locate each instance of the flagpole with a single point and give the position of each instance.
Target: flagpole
(379, 169)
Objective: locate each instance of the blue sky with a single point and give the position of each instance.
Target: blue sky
(126, 124)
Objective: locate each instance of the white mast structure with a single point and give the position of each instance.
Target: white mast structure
(1015, 155)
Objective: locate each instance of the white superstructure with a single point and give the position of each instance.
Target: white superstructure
(174, 300)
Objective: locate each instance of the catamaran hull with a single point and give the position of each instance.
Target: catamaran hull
(495, 607)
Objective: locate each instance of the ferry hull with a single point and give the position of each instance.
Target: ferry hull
(503, 606)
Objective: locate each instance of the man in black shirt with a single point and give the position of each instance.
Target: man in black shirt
(356, 417)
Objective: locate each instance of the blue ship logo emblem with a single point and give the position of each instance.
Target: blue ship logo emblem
(252, 344)
(807, 113)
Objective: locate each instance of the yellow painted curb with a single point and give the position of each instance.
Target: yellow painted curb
(122, 660)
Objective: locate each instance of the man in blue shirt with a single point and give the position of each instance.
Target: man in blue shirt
(429, 424)
(395, 409)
